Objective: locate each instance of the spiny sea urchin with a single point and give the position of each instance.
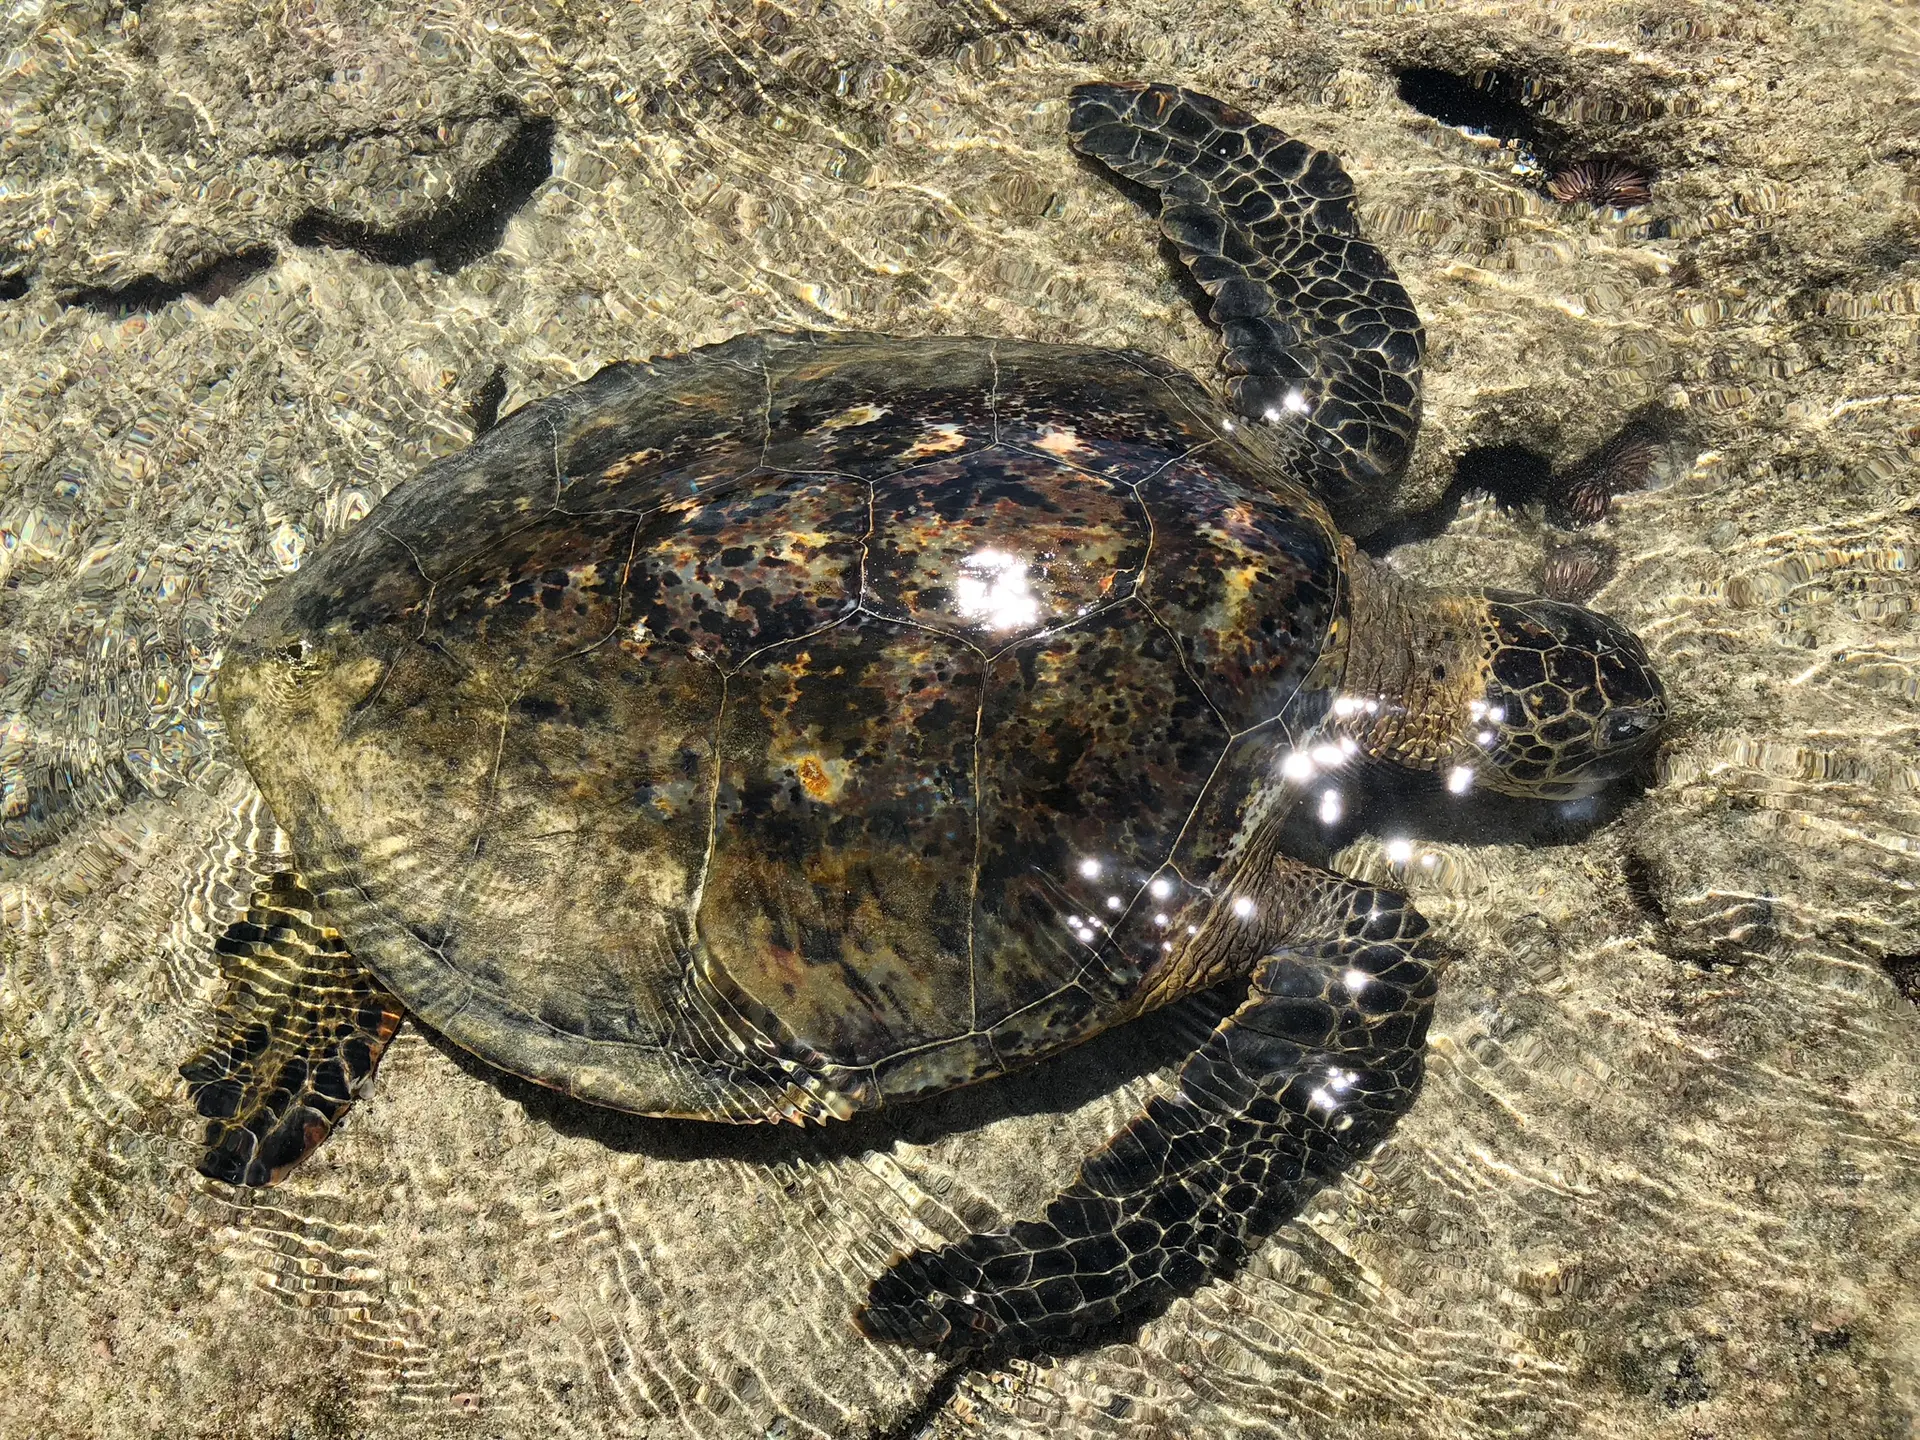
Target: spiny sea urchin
(1601, 181)
(1574, 570)
(1623, 464)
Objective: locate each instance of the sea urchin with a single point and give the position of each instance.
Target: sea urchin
(1616, 183)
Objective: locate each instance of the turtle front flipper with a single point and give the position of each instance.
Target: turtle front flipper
(301, 1027)
(1321, 339)
(1303, 1079)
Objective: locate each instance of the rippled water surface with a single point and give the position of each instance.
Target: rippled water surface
(260, 265)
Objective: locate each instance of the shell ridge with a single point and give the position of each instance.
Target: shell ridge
(698, 895)
(1055, 631)
(834, 624)
(973, 876)
(866, 550)
(413, 555)
(993, 388)
(1180, 649)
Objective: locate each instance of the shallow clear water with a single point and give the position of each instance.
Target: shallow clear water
(1662, 1180)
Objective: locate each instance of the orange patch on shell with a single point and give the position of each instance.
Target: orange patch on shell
(633, 464)
(857, 415)
(937, 440)
(1062, 441)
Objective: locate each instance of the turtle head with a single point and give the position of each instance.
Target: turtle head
(287, 678)
(1497, 691)
(1568, 700)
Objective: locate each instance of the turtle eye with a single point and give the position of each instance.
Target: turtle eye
(295, 651)
(1623, 726)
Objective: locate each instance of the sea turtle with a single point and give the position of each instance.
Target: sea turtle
(812, 722)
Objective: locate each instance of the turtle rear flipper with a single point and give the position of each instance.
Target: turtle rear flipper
(1322, 341)
(1304, 1078)
(300, 1029)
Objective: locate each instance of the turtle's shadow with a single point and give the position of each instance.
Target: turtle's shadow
(1056, 1085)
(1384, 800)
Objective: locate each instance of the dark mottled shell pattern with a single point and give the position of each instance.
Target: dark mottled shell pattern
(798, 723)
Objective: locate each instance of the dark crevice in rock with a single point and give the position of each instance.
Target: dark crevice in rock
(13, 284)
(1643, 889)
(1512, 474)
(1744, 929)
(1493, 102)
(1642, 879)
(484, 409)
(209, 283)
(1904, 971)
(1506, 105)
(470, 225)
(412, 131)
